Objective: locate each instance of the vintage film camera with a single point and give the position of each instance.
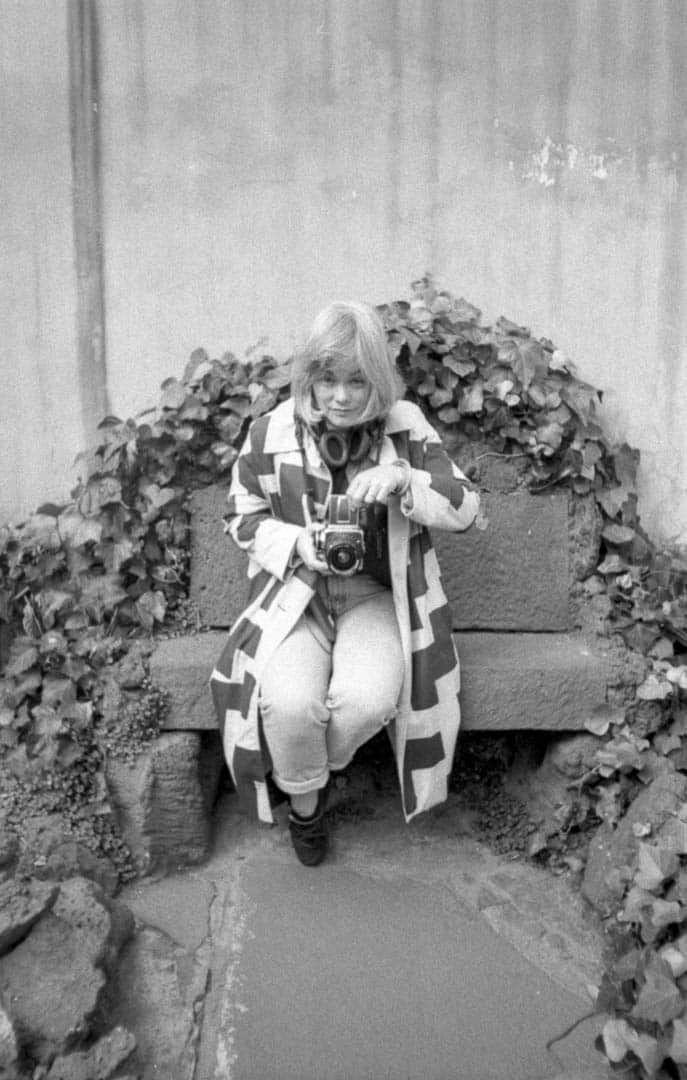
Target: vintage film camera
(340, 540)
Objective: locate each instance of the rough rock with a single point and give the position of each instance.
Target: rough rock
(104, 924)
(9, 845)
(51, 853)
(158, 993)
(71, 859)
(544, 789)
(585, 524)
(68, 949)
(612, 852)
(130, 672)
(572, 755)
(160, 804)
(9, 1050)
(99, 1062)
(21, 905)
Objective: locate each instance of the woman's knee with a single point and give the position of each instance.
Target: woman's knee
(294, 709)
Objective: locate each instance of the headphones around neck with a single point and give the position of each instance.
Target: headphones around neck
(337, 448)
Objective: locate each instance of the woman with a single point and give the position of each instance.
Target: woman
(334, 645)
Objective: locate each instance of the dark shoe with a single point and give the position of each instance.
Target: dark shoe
(310, 836)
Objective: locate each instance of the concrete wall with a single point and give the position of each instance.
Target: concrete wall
(261, 158)
(41, 427)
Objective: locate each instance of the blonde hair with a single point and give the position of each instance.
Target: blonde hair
(346, 332)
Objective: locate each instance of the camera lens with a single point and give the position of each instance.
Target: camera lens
(342, 558)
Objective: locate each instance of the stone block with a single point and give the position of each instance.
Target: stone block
(182, 667)
(159, 801)
(513, 575)
(218, 568)
(550, 682)
(547, 682)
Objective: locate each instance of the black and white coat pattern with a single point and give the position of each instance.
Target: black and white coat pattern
(265, 515)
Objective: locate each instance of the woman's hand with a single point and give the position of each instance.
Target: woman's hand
(376, 484)
(305, 547)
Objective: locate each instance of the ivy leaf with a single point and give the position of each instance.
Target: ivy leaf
(529, 362)
(654, 689)
(602, 717)
(612, 564)
(462, 368)
(618, 534)
(614, 1039)
(151, 608)
(660, 999)
(505, 326)
(197, 368)
(448, 414)
(85, 530)
(659, 915)
(677, 676)
(464, 312)
(440, 397)
(192, 409)
(551, 434)
(50, 509)
(22, 661)
(581, 398)
(560, 362)
(618, 1037)
(636, 903)
(674, 958)
(472, 400)
(278, 378)
(678, 1042)
(173, 394)
(655, 866)
(104, 591)
(55, 690)
(157, 496)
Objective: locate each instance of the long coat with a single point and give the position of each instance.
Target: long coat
(265, 515)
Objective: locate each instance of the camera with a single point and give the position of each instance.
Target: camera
(340, 540)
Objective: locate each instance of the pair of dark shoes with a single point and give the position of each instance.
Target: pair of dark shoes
(310, 836)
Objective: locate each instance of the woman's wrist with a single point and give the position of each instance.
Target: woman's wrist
(403, 470)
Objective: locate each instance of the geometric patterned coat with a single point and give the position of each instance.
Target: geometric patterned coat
(264, 516)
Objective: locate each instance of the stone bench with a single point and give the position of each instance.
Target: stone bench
(526, 663)
(523, 664)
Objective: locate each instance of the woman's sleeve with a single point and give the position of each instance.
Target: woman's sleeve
(249, 520)
(438, 495)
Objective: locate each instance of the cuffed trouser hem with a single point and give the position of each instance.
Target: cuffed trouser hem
(301, 787)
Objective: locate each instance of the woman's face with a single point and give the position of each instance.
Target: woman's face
(341, 393)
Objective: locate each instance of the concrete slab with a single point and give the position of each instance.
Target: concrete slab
(514, 575)
(509, 681)
(384, 962)
(551, 682)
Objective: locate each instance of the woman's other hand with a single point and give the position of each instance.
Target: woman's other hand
(376, 484)
(305, 548)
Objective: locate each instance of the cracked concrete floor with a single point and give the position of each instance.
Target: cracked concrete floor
(412, 952)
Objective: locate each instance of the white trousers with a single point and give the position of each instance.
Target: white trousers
(321, 701)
